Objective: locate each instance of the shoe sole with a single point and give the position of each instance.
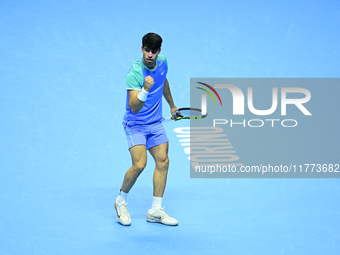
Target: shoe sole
(124, 224)
(159, 221)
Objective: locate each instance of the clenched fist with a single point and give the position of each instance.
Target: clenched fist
(148, 83)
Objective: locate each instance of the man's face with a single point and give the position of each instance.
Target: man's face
(150, 57)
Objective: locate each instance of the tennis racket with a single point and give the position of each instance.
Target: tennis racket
(187, 113)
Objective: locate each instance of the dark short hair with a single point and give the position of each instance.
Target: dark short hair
(152, 41)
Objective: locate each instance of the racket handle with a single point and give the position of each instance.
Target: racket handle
(167, 119)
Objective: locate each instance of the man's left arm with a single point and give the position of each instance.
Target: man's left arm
(168, 97)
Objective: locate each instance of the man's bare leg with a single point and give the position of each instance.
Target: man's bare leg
(156, 213)
(160, 155)
(139, 158)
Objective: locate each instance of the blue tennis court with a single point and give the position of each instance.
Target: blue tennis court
(64, 152)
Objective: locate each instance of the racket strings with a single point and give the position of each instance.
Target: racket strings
(190, 113)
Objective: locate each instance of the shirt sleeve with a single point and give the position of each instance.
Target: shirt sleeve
(167, 66)
(132, 82)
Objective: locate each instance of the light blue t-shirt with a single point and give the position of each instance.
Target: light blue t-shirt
(152, 109)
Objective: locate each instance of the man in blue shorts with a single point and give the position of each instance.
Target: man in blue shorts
(146, 84)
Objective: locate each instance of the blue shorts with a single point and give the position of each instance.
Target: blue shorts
(149, 135)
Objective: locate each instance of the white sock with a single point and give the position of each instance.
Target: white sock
(156, 203)
(122, 197)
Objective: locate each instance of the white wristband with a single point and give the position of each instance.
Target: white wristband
(142, 95)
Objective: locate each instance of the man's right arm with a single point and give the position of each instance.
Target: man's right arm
(135, 103)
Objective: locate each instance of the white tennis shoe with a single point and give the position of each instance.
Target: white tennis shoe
(123, 215)
(160, 217)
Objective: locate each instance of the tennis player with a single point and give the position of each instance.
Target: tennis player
(146, 84)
